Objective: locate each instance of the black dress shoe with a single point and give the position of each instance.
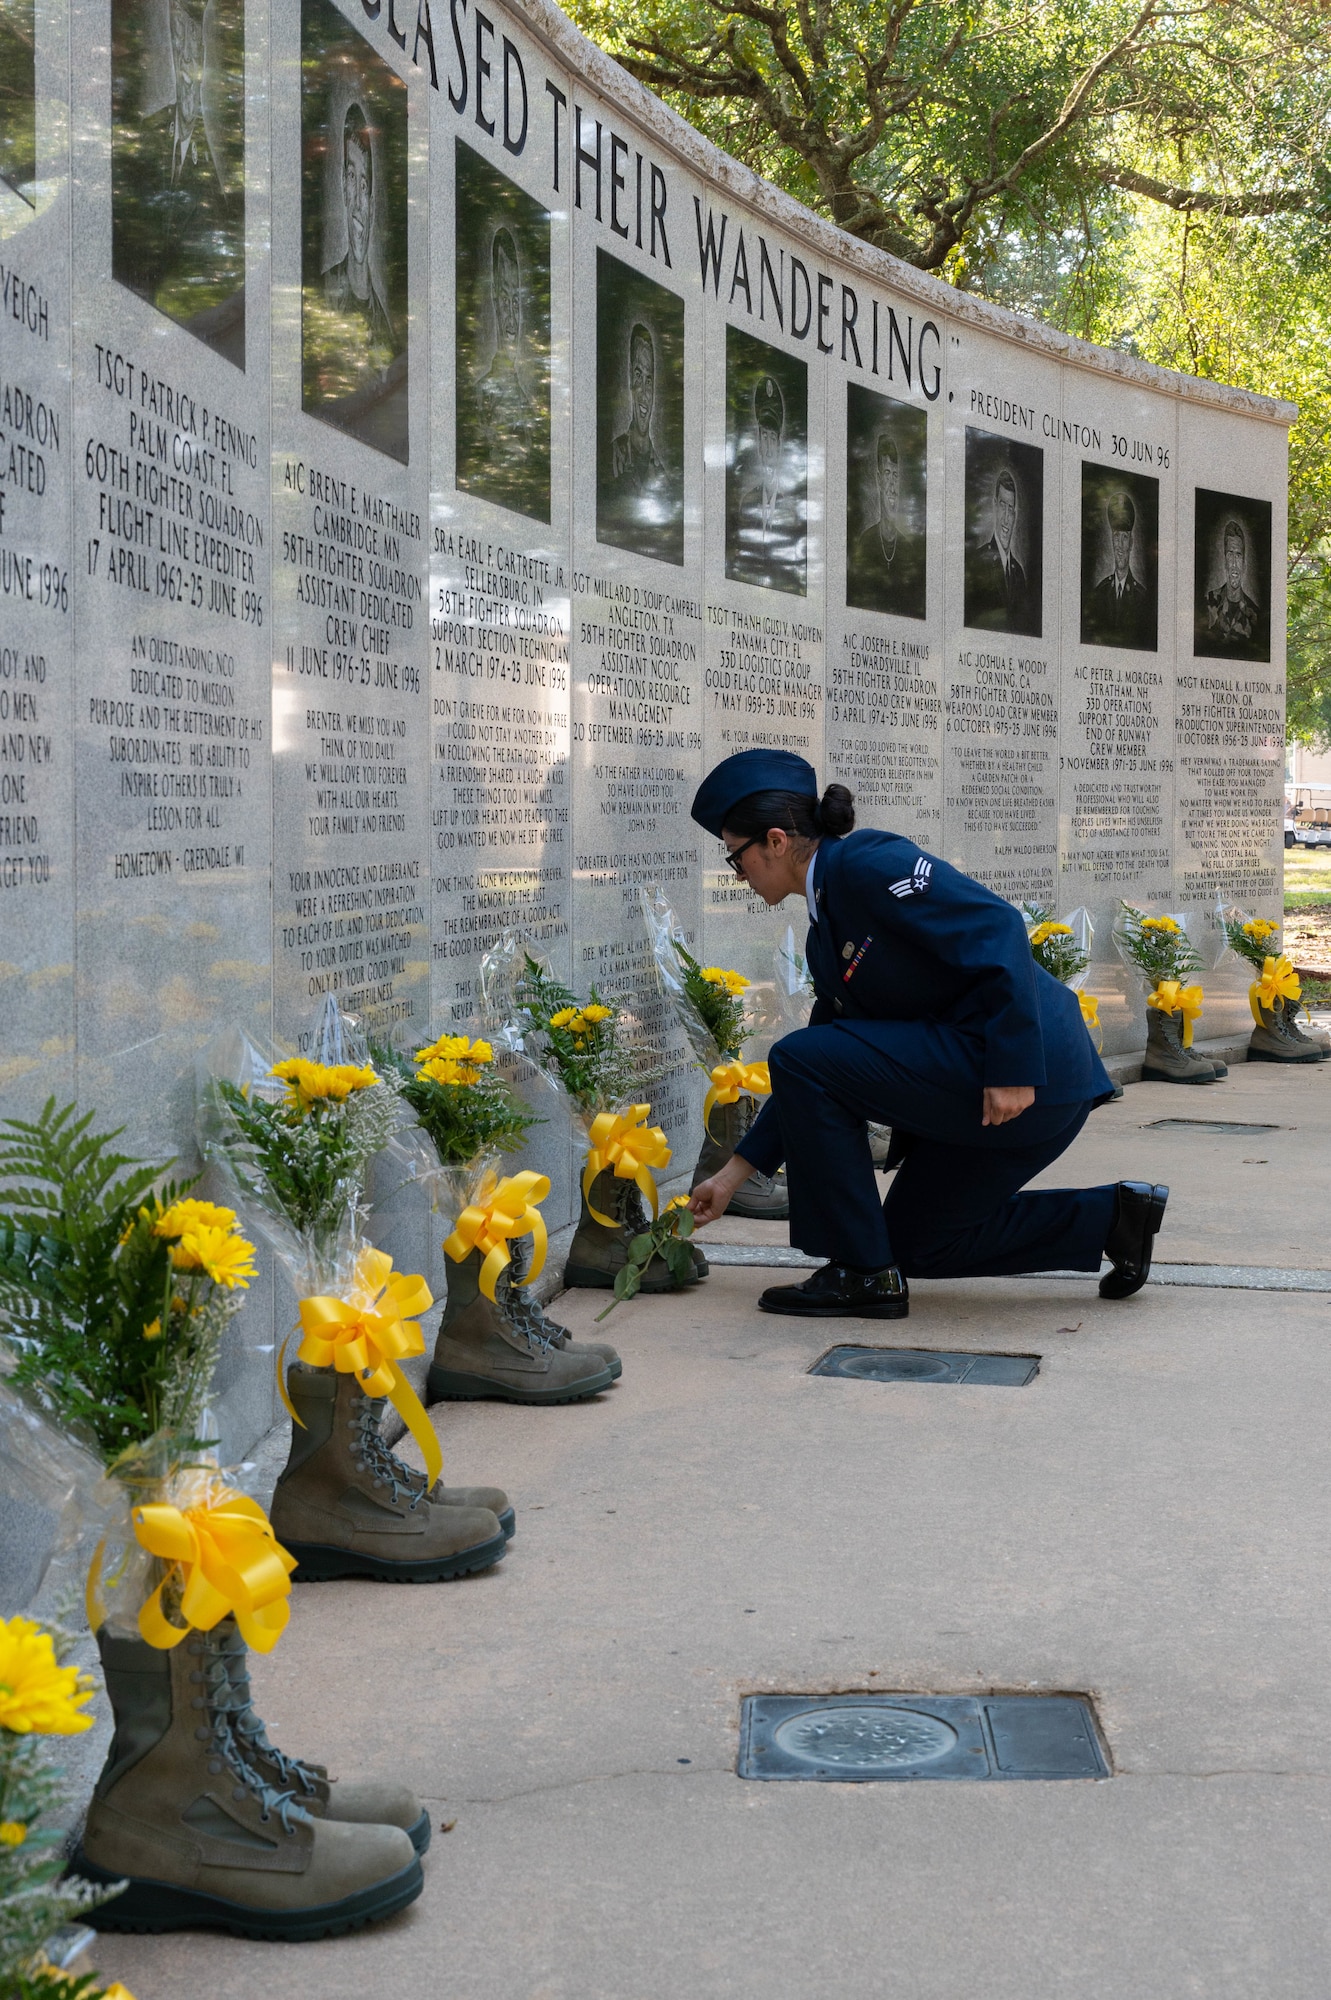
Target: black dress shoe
(838, 1293)
(1138, 1212)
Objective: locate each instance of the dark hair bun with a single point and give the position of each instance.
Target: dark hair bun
(836, 812)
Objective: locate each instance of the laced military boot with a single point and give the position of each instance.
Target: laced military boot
(200, 1837)
(345, 1506)
(1272, 1041)
(493, 1497)
(1166, 1059)
(763, 1197)
(597, 1254)
(490, 1349)
(534, 1319)
(221, 1670)
(1309, 1037)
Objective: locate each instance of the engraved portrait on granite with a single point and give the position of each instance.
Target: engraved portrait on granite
(639, 412)
(178, 162)
(1232, 578)
(353, 234)
(886, 475)
(18, 101)
(503, 339)
(1004, 569)
(1120, 551)
(767, 464)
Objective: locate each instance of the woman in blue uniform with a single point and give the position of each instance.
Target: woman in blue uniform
(932, 1017)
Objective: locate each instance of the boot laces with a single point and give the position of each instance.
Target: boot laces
(226, 1703)
(385, 1466)
(522, 1310)
(230, 1694)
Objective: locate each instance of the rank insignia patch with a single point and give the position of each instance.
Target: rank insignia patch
(917, 882)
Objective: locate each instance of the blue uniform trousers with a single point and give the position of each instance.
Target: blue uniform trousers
(953, 1210)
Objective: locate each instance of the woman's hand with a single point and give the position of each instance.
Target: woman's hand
(710, 1199)
(1003, 1102)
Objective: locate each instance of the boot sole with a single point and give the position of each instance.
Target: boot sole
(445, 1385)
(1262, 1055)
(316, 1563)
(1162, 1076)
(893, 1311)
(587, 1277)
(746, 1214)
(163, 1906)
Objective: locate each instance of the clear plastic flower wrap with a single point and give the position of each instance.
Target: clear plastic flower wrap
(46, 1463)
(293, 1138)
(576, 1046)
(1062, 945)
(717, 1009)
(1251, 940)
(1156, 944)
(794, 983)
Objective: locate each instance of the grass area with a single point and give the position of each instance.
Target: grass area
(1307, 876)
(1315, 992)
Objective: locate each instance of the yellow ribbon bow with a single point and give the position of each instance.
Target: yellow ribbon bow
(226, 1559)
(619, 1139)
(369, 1336)
(729, 1079)
(1279, 981)
(1090, 1014)
(1171, 996)
(503, 1209)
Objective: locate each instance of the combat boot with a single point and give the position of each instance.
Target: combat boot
(1272, 1041)
(222, 1672)
(1294, 1028)
(492, 1497)
(598, 1254)
(534, 1319)
(763, 1197)
(201, 1840)
(485, 1350)
(342, 1508)
(1166, 1060)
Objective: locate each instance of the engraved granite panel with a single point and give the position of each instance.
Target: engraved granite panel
(768, 314)
(36, 644)
(350, 483)
(885, 568)
(1002, 617)
(500, 800)
(638, 584)
(1230, 704)
(171, 590)
(1119, 469)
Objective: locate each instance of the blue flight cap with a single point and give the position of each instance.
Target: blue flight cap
(758, 770)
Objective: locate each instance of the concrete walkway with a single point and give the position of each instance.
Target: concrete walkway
(1145, 1522)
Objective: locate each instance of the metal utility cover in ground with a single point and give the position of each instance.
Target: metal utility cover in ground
(864, 1738)
(922, 1364)
(1209, 1125)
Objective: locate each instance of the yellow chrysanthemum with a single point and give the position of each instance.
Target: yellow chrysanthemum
(13, 1833)
(1043, 932)
(444, 1069)
(227, 1259)
(38, 1697)
(596, 1012)
(563, 1017)
(1159, 924)
(183, 1215)
(115, 1991)
(1260, 928)
(459, 1048)
(312, 1083)
(153, 1330)
(733, 982)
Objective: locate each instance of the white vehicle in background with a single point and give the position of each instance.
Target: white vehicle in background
(1306, 825)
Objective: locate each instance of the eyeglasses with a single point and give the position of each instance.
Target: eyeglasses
(734, 855)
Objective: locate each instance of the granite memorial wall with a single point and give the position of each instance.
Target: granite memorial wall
(422, 456)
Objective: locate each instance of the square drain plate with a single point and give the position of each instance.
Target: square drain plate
(922, 1364)
(862, 1738)
(1207, 1125)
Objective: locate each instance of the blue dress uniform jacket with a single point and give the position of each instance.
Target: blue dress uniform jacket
(926, 993)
